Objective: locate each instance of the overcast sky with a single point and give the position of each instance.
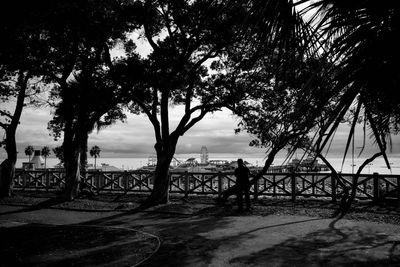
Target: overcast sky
(135, 137)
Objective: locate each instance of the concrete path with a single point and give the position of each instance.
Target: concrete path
(240, 240)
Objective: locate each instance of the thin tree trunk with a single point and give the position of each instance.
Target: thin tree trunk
(350, 200)
(7, 172)
(8, 165)
(337, 177)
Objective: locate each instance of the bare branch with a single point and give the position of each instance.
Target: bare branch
(194, 121)
(152, 117)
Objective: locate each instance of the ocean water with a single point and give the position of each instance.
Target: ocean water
(136, 162)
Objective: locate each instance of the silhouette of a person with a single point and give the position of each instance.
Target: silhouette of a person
(242, 181)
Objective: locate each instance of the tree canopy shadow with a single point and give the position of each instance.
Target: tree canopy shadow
(48, 203)
(72, 245)
(333, 246)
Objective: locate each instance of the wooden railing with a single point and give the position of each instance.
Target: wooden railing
(292, 185)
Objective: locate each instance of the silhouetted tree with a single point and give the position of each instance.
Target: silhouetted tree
(29, 151)
(9, 123)
(284, 105)
(83, 70)
(363, 43)
(24, 52)
(45, 153)
(95, 152)
(185, 36)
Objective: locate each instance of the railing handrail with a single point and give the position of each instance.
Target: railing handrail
(290, 184)
(210, 173)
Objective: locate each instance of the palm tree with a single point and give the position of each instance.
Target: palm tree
(95, 152)
(363, 38)
(45, 153)
(363, 44)
(29, 152)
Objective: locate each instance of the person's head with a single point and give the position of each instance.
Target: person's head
(240, 162)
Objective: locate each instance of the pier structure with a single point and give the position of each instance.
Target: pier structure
(203, 155)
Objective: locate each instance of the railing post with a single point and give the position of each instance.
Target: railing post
(168, 185)
(126, 181)
(293, 181)
(24, 178)
(333, 187)
(186, 183)
(219, 185)
(273, 185)
(46, 174)
(256, 190)
(376, 186)
(98, 179)
(398, 188)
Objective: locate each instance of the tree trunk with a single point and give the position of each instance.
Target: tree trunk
(7, 171)
(337, 177)
(72, 174)
(83, 159)
(159, 194)
(347, 205)
(8, 166)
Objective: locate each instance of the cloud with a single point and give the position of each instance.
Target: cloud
(136, 136)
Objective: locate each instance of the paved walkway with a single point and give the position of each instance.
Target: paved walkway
(238, 240)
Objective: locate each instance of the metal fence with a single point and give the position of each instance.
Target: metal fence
(292, 185)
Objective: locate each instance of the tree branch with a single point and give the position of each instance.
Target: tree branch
(4, 125)
(149, 38)
(152, 117)
(185, 124)
(164, 115)
(108, 57)
(168, 25)
(211, 54)
(5, 114)
(193, 122)
(155, 102)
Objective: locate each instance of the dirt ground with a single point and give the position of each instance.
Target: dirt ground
(110, 231)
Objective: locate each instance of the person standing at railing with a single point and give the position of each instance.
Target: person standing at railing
(242, 174)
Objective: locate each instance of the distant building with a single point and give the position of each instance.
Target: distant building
(36, 162)
(37, 159)
(203, 155)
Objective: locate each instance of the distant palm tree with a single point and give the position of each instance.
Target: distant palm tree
(95, 152)
(45, 152)
(29, 152)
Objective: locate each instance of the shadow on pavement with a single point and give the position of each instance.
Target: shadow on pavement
(347, 246)
(48, 203)
(45, 245)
